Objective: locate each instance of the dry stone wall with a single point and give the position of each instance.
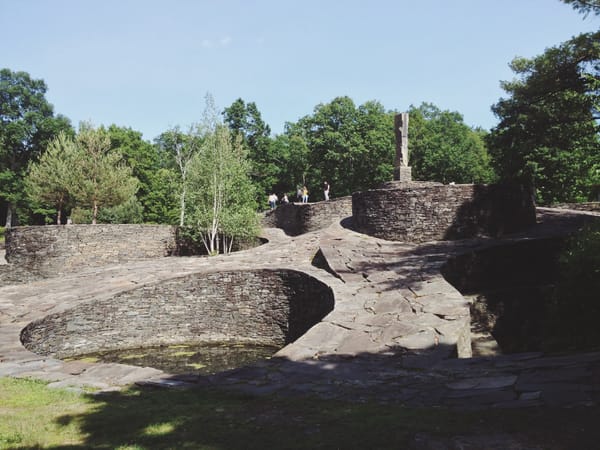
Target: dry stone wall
(272, 307)
(587, 206)
(418, 213)
(56, 249)
(299, 218)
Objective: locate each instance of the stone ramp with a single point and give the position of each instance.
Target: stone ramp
(399, 299)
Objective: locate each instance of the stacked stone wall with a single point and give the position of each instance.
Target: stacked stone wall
(272, 307)
(299, 218)
(587, 206)
(417, 213)
(58, 249)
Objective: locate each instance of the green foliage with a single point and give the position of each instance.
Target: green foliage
(176, 150)
(51, 180)
(161, 202)
(443, 148)
(585, 6)
(2, 233)
(549, 132)
(245, 120)
(352, 148)
(144, 160)
(84, 173)
(292, 154)
(27, 125)
(576, 305)
(130, 211)
(221, 193)
(103, 178)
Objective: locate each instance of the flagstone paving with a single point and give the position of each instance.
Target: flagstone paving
(392, 335)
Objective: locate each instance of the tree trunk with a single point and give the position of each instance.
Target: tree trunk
(8, 216)
(95, 213)
(182, 207)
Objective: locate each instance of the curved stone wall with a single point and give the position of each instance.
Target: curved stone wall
(56, 249)
(299, 218)
(417, 213)
(510, 286)
(272, 307)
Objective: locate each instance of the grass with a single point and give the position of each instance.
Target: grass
(33, 416)
(28, 410)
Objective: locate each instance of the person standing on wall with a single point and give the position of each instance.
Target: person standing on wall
(326, 190)
(273, 200)
(304, 194)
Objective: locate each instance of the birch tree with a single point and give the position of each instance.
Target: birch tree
(222, 205)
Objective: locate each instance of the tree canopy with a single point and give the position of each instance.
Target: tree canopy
(549, 131)
(350, 147)
(50, 181)
(103, 178)
(245, 121)
(585, 6)
(27, 125)
(81, 173)
(444, 149)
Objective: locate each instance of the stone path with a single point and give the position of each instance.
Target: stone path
(391, 336)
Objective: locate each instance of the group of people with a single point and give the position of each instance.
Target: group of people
(273, 199)
(301, 193)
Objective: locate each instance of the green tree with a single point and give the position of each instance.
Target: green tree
(585, 6)
(245, 120)
(352, 148)
(549, 131)
(221, 193)
(50, 180)
(293, 162)
(146, 165)
(179, 148)
(27, 125)
(104, 180)
(443, 148)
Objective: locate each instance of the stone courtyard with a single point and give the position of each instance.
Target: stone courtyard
(398, 331)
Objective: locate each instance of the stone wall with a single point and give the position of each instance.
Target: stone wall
(510, 286)
(299, 218)
(421, 213)
(271, 307)
(586, 206)
(55, 249)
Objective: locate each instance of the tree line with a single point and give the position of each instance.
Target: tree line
(215, 174)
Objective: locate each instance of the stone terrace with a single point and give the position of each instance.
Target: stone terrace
(394, 316)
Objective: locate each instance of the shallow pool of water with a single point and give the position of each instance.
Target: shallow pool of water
(202, 359)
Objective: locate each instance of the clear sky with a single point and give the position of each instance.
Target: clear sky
(148, 64)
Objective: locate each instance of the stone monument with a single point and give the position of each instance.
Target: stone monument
(402, 171)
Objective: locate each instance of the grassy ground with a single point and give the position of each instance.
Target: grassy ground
(33, 416)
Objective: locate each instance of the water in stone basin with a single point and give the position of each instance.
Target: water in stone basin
(203, 359)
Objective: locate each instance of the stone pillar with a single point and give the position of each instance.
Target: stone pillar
(402, 171)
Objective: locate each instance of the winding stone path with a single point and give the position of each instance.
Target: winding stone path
(391, 337)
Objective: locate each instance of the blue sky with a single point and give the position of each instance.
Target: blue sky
(148, 64)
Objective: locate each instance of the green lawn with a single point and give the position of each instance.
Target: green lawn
(33, 416)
